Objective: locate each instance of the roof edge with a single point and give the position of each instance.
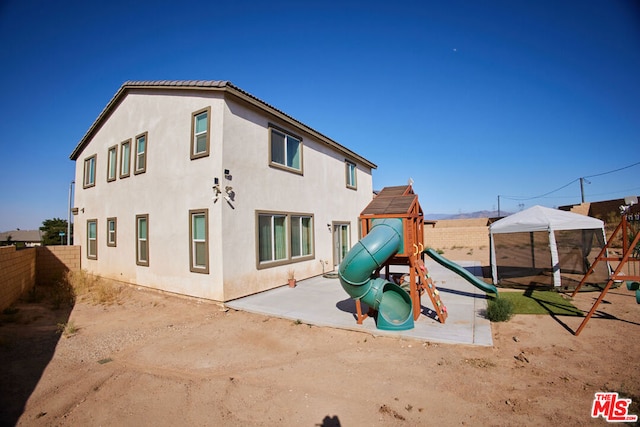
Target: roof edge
(215, 85)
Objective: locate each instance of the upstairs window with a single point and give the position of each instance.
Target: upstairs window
(286, 150)
(200, 133)
(89, 172)
(125, 159)
(112, 163)
(350, 169)
(141, 154)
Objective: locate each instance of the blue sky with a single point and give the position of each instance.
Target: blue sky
(470, 99)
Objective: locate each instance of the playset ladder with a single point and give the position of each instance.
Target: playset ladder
(421, 282)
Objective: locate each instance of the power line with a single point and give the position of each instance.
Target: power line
(615, 170)
(522, 198)
(540, 196)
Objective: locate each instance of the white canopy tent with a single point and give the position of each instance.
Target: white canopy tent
(539, 218)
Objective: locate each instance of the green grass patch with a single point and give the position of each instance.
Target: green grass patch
(540, 302)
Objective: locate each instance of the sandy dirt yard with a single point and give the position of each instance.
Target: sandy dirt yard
(158, 359)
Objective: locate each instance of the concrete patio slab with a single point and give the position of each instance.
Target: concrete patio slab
(321, 301)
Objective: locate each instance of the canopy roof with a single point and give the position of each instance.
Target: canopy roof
(539, 218)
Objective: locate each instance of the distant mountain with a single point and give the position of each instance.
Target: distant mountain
(477, 214)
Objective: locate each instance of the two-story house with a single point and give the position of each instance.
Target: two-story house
(200, 188)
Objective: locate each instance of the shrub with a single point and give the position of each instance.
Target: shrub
(67, 329)
(62, 294)
(95, 288)
(499, 309)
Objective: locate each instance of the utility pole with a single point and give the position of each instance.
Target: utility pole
(498, 205)
(69, 215)
(582, 181)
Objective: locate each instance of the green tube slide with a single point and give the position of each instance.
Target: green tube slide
(461, 272)
(395, 311)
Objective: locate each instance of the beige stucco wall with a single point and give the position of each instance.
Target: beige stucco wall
(321, 191)
(173, 184)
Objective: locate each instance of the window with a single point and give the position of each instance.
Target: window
(142, 240)
(283, 238)
(286, 150)
(301, 236)
(92, 239)
(141, 154)
(200, 133)
(112, 163)
(351, 174)
(125, 158)
(111, 231)
(199, 231)
(89, 172)
(272, 235)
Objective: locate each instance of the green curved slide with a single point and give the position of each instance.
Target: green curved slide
(461, 271)
(395, 311)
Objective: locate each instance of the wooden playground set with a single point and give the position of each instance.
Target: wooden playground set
(627, 269)
(401, 202)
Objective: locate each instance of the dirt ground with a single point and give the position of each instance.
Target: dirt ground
(158, 359)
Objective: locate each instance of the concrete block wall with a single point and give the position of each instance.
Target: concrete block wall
(17, 273)
(53, 262)
(448, 237)
(20, 270)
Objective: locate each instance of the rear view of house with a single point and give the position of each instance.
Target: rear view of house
(199, 188)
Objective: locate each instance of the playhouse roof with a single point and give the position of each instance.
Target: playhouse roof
(393, 201)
